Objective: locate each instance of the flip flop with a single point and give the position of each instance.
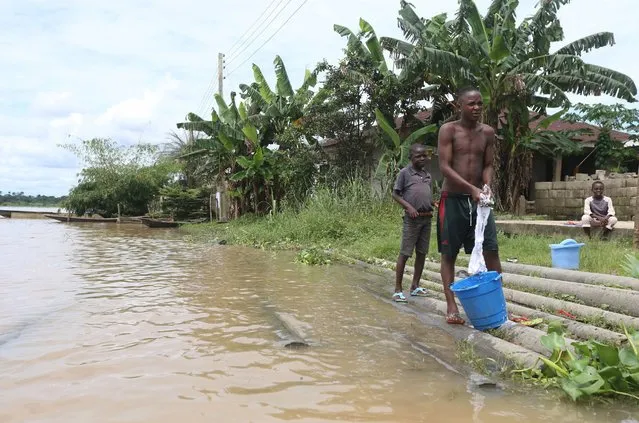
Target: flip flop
(419, 292)
(399, 297)
(533, 322)
(454, 319)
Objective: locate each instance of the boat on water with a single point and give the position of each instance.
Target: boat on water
(159, 223)
(78, 219)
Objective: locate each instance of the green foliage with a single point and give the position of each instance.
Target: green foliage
(251, 146)
(631, 265)
(510, 61)
(396, 151)
(549, 143)
(20, 199)
(347, 216)
(353, 90)
(610, 153)
(184, 203)
(113, 174)
(588, 368)
(313, 257)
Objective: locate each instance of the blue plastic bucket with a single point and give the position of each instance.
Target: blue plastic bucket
(565, 255)
(483, 300)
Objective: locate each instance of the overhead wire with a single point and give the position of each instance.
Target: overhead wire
(253, 25)
(262, 31)
(210, 103)
(241, 41)
(207, 94)
(269, 38)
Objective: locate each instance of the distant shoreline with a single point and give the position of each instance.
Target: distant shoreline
(26, 204)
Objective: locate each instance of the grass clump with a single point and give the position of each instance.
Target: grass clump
(355, 221)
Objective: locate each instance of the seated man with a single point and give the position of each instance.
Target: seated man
(598, 211)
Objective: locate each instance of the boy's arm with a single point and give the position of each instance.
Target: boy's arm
(611, 209)
(587, 210)
(489, 156)
(397, 196)
(405, 204)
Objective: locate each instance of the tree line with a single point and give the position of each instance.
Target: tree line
(20, 199)
(270, 145)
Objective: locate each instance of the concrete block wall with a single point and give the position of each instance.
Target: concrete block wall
(565, 200)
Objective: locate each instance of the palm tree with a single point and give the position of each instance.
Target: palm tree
(513, 67)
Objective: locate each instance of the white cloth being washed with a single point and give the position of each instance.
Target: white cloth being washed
(477, 264)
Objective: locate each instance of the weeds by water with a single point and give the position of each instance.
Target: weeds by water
(465, 352)
(589, 368)
(357, 222)
(313, 257)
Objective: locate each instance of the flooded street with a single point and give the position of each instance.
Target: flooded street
(122, 323)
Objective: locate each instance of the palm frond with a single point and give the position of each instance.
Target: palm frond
(440, 62)
(196, 123)
(353, 42)
(538, 83)
(265, 90)
(397, 48)
(469, 12)
(613, 74)
(591, 83)
(549, 62)
(553, 143)
(409, 22)
(585, 44)
(284, 87)
(374, 46)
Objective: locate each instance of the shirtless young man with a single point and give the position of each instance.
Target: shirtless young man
(465, 149)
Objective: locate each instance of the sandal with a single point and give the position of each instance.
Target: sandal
(454, 319)
(419, 292)
(399, 297)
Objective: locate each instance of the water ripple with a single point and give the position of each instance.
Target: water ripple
(137, 325)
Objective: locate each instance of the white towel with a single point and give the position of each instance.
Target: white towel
(477, 263)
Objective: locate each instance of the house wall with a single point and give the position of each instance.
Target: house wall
(565, 200)
(541, 172)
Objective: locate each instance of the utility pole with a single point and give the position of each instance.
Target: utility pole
(222, 195)
(220, 74)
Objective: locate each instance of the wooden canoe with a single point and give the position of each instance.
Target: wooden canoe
(77, 219)
(159, 223)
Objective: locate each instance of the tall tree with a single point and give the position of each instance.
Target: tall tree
(610, 153)
(250, 145)
(116, 174)
(513, 67)
(344, 108)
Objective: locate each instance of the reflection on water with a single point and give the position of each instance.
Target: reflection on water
(121, 323)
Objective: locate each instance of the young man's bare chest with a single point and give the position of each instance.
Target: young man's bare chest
(469, 142)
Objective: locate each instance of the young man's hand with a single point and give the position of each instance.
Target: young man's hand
(412, 212)
(476, 194)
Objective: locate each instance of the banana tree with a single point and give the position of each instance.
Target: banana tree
(274, 111)
(396, 150)
(256, 166)
(225, 143)
(511, 64)
(370, 46)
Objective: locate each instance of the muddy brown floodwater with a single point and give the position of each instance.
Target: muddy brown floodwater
(121, 323)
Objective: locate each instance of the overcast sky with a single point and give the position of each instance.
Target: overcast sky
(131, 69)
